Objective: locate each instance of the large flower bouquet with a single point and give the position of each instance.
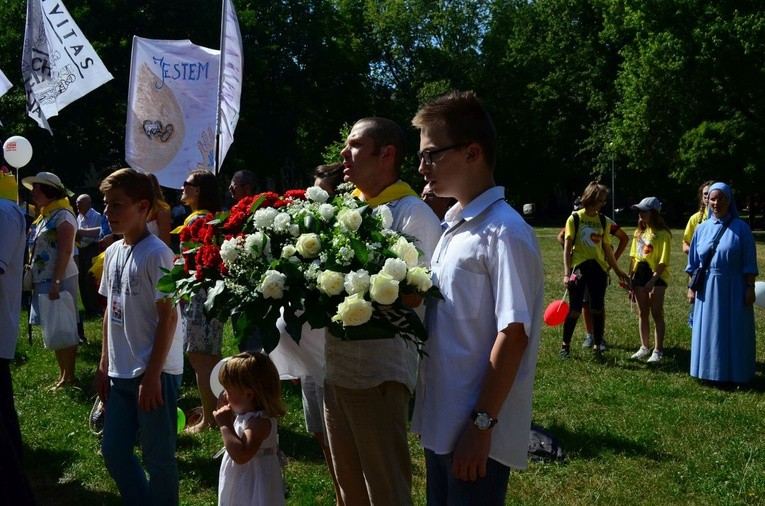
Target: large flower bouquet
(333, 263)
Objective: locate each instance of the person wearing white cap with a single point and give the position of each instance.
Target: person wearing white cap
(51, 243)
(649, 274)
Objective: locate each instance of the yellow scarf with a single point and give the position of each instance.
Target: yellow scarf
(189, 219)
(397, 190)
(55, 205)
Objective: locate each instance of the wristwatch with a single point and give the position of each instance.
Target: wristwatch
(483, 420)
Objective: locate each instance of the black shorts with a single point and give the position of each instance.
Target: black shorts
(643, 274)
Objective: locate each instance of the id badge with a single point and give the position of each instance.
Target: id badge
(116, 309)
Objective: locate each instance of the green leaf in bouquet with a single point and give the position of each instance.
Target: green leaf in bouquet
(212, 296)
(167, 283)
(258, 202)
(360, 250)
(269, 334)
(309, 224)
(294, 324)
(243, 327)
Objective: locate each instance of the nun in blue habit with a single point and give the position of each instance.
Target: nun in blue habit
(723, 340)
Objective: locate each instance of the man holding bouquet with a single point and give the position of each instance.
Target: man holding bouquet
(369, 383)
(473, 403)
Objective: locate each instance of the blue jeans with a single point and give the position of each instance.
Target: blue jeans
(443, 488)
(158, 430)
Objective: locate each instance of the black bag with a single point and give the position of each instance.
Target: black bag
(699, 274)
(698, 277)
(543, 446)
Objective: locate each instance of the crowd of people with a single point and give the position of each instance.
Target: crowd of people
(476, 376)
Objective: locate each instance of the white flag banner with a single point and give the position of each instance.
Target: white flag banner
(58, 63)
(232, 70)
(5, 84)
(172, 109)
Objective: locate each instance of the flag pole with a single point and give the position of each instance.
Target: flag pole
(220, 82)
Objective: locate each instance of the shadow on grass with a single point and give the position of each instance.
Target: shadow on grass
(590, 445)
(43, 468)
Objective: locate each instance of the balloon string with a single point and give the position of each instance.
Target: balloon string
(562, 299)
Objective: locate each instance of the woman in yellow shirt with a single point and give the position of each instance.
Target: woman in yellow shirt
(649, 272)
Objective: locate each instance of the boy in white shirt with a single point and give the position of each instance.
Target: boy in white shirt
(473, 398)
(139, 375)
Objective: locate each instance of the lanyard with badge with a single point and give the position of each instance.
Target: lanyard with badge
(116, 313)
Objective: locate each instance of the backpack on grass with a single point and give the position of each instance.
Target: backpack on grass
(544, 447)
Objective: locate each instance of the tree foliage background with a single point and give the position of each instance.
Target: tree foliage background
(668, 92)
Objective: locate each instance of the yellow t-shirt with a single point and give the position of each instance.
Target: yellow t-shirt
(693, 222)
(652, 247)
(588, 245)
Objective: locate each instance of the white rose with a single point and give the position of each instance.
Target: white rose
(257, 243)
(229, 251)
(272, 286)
(419, 277)
(383, 289)
(288, 251)
(350, 219)
(316, 194)
(308, 245)
(264, 218)
(396, 268)
(330, 282)
(353, 311)
(406, 251)
(356, 282)
(282, 221)
(386, 216)
(327, 211)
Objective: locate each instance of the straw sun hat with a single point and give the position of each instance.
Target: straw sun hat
(47, 178)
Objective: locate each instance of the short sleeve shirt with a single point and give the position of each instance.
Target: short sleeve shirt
(693, 222)
(588, 244)
(44, 242)
(129, 283)
(489, 270)
(653, 248)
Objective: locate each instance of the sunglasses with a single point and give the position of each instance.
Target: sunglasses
(189, 183)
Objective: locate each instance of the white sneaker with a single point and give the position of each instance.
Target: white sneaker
(641, 353)
(655, 356)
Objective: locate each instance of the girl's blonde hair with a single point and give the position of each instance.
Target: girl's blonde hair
(255, 371)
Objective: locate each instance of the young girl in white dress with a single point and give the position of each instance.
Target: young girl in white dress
(250, 473)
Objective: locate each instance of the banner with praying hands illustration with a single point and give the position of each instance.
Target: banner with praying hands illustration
(172, 109)
(58, 63)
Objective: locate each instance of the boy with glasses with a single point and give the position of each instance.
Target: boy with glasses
(473, 401)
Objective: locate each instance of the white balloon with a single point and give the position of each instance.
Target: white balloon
(215, 385)
(17, 151)
(759, 294)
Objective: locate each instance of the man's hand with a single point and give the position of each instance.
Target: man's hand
(101, 383)
(471, 453)
(53, 294)
(150, 394)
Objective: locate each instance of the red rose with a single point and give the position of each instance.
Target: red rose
(295, 194)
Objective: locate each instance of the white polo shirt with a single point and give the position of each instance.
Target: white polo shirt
(489, 268)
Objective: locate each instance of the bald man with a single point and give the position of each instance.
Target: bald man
(87, 219)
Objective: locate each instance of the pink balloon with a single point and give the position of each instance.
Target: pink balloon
(556, 313)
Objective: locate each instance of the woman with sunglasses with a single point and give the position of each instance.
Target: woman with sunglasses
(202, 337)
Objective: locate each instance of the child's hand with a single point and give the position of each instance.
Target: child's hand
(222, 400)
(224, 416)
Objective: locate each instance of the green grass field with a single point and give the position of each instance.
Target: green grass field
(633, 434)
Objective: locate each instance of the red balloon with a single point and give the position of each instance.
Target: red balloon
(556, 312)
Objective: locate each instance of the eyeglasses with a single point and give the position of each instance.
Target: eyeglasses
(189, 183)
(426, 155)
